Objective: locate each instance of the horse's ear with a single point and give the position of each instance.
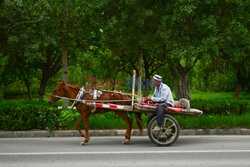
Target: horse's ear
(57, 82)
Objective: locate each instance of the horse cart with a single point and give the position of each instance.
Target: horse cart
(165, 136)
(170, 130)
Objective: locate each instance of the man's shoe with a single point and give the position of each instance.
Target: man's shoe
(156, 131)
(157, 128)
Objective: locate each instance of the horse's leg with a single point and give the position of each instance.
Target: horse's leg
(78, 125)
(129, 121)
(139, 122)
(86, 127)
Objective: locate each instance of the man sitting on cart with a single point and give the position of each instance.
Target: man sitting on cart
(163, 97)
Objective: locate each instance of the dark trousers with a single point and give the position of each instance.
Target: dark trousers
(160, 112)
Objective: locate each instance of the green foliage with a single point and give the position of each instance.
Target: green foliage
(14, 92)
(214, 121)
(27, 114)
(68, 118)
(105, 38)
(221, 107)
(110, 120)
(38, 32)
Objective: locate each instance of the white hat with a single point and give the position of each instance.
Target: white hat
(157, 77)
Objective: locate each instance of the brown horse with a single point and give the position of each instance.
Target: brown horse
(71, 91)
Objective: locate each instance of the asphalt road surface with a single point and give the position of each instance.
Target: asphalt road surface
(108, 151)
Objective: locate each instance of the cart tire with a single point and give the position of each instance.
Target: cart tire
(167, 135)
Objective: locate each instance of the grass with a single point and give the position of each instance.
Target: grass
(243, 97)
(220, 95)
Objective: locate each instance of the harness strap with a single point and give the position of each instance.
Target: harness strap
(94, 97)
(78, 97)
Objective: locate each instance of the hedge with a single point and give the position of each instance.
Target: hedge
(27, 114)
(220, 106)
(34, 114)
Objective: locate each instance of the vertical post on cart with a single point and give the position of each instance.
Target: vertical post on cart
(65, 71)
(140, 78)
(133, 88)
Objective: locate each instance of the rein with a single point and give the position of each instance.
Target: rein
(113, 91)
(78, 100)
(84, 101)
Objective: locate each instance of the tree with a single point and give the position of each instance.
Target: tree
(233, 45)
(160, 31)
(173, 33)
(126, 23)
(42, 31)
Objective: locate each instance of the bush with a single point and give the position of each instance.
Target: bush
(214, 121)
(68, 118)
(11, 94)
(109, 120)
(27, 114)
(220, 106)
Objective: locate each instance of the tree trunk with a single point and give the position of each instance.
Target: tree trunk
(1, 91)
(176, 79)
(237, 91)
(241, 82)
(48, 70)
(177, 88)
(27, 84)
(140, 75)
(26, 81)
(43, 85)
(64, 43)
(181, 82)
(184, 86)
(148, 79)
(65, 71)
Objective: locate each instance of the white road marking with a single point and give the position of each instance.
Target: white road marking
(126, 152)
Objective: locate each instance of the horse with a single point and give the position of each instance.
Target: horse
(70, 91)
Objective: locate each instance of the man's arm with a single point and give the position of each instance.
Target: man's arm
(149, 98)
(154, 92)
(162, 98)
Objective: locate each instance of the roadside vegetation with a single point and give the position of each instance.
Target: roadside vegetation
(220, 111)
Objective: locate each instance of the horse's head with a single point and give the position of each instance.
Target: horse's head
(58, 91)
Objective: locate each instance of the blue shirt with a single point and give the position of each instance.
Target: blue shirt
(163, 94)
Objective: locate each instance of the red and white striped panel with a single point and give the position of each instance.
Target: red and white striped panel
(109, 106)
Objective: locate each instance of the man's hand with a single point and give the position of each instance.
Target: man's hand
(148, 98)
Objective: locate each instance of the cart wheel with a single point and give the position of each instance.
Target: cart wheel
(167, 135)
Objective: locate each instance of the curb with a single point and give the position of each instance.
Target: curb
(114, 132)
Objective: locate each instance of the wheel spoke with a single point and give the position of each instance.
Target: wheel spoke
(170, 126)
(170, 133)
(165, 120)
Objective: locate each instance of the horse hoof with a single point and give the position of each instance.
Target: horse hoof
(126, 141)
(82, 143)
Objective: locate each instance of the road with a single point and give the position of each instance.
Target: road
(108, 151)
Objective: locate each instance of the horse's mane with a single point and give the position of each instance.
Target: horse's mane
(73, 86)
